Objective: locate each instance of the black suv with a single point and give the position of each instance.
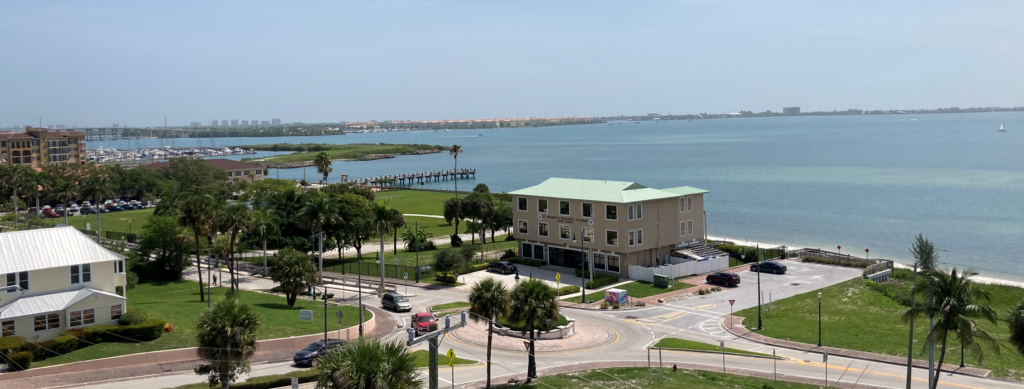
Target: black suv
(503, 267)
(768, 266)
(724, 278)
(309, 355)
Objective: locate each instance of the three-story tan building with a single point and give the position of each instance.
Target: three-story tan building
(38, 147)
(565, 221)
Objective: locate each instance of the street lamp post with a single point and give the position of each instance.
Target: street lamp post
(583, 298)
(819, 319)
(758, 257)
(359, 291)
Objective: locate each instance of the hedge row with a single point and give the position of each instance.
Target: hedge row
(21, 360)
(73, 340)
(600, 279)
(835, 261)
(264, 382)
(565, 290)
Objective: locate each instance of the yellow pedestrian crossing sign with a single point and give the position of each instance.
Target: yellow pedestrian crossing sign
(451, 358)
(558, 277)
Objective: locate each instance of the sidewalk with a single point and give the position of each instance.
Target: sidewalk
(737, 328)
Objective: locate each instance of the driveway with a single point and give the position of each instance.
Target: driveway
(568, 277)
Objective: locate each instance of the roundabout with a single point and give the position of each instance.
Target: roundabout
(586, 335)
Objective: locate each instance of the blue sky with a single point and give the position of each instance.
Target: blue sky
(96, 63)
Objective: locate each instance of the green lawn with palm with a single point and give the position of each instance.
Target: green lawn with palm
(178, 304)
(114, 221)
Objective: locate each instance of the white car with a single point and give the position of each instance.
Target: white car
(73, 208)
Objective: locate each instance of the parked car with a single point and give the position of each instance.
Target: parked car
(33, 210)
(86, 203)
(144, 203)
(422, 322)
(309, 355)
(503, 267)
(768, 266)
(724, 278)
(116, 209)
(396, 302)
(74, 207)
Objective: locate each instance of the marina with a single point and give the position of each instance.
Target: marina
(161, 153)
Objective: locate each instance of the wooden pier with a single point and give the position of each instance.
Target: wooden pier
(410, 179)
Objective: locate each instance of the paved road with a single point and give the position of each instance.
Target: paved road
(695, 319)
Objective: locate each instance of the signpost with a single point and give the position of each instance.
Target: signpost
(405, 276)
(432, 338)
(295, 382)
(558, 281)
(721, 343)
(305, 314)
(451, 363)
(340, 315)
(731, 302)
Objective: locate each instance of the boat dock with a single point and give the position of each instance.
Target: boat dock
(410, 179)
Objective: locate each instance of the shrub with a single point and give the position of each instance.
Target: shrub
(508, 254)
(605, 305)
(21, 360)
(445, 278)
(456, 240)
(148, 330)
(13, 343)
(473, 268)
(131, 317)
(428, 246)
(896, 290)
(835, 261)
(615, 305)
(600, 279)
(570, 289)
(63, 344)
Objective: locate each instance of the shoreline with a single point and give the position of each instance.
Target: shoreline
(980, 278)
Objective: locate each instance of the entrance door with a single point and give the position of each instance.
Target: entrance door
(565, 258)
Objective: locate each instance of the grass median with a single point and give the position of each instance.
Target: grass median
(423, 359)
(455, 305)
(637, 376)
(856, 317)
(178, 304)
(683, 344)
(641, 289)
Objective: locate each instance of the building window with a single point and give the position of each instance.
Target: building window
(689, 203)
(542, 229)
(565, 231)
(599, 261)
(588, 210)
(611, 237)
(563, 208)
(611, 212)
(522, 204)
(613, 263)
(682, 204)
(588, 234)
(522, 227)
(682, 228)
(538, 252)
(45, 322)
(80, 318)
(527, 250)
(542, 205)
(259, 172)
(629, 212)
(238, 173)
(115, 312)
(119, 267)
(639, 237)
(247, 172)
(17, 279)
(689, 227)
(229, 174)
(6, 328)
(81, 274)
(631, 238)
(639, 211)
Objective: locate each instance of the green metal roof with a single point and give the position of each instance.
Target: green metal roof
(604, 191)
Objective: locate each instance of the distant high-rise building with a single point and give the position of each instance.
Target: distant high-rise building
(255, 122)
(223, 123)
(790, 110)
(213, 123)
(115, 125)
(196, 124)
(60, 127)
(234, 122)
(653, 115)
(264, 122)
(50, 126)
(245, 122)
(275, 122)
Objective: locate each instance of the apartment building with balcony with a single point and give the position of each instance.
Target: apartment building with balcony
(39, 147)
(565, 221)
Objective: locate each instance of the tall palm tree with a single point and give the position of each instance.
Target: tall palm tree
(63, 191)
(396, 224)
(98, 187)
(318, 213)
(35, 185)
(955, 302)
(369, 363)
(226, 335)
(198, 213)
(14, 176)
(534, 304)
(1015, 320)
(454, 152)
(383, 218)
(235, 219)
(264, 226)
(488, 302)
(924, 253)
(323, 164)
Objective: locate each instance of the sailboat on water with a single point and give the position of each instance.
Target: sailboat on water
(1001, 128)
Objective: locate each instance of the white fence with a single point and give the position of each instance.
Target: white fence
(679, 270)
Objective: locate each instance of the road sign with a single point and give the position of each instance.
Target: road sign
(451, 358)
(527, 344)
(866, 250)
(839, 247)
(405, 276)
(558, 277)
(398, 261)
(295, 382)
(731, 302)
(306, 314)
(721, 343)
(340, 315)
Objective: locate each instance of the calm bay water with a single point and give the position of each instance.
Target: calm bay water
(857, 181)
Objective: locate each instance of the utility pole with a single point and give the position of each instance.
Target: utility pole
(434, 339)
(910, 342)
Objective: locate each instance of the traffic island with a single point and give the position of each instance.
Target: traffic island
(580, 335)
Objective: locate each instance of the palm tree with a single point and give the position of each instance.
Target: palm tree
(226, 335)
(318, 213)
(954, 301)
(98, 187)
(369, 363)
(1015, 319)
(235, 219)
(454, 152)
(64, 190)
(199, 214)
(383, 218)
(35, 184)
(14, 176)
(924, 253)
(453, 211)
(294, 271)
(534, 304)
(396, 224)
(323, 164)
(488, 302)
(264, 226)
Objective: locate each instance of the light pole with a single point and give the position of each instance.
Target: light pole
(417, 245)
(583, 298)
(819, 319)
(758, 257)
(359, 289)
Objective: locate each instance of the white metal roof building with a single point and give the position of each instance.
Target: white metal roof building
(49, 247)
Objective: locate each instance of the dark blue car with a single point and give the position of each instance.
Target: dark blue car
(309, 355)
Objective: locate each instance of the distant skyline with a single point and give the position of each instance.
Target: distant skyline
(131, 63)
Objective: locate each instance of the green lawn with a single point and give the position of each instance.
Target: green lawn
(641, 289)
(856, 317)
(519, 326)
(115, 221)
(684, 344)
(423, 359)
(345, 151)
(596, 296)
(637, 376)
(457, 304)
(178, 304)
(421, 202)
(437, 227)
